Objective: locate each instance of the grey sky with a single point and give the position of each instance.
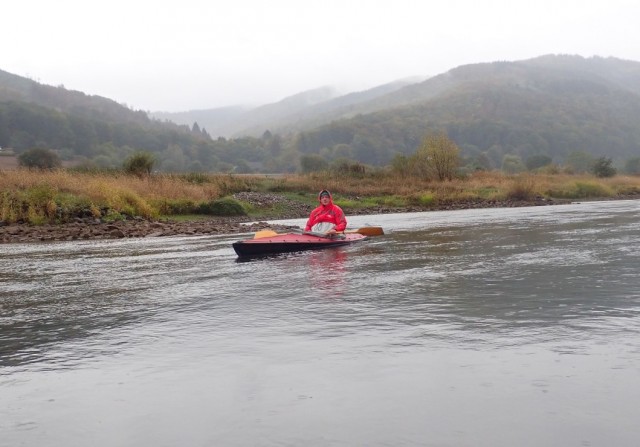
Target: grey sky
(154, 55)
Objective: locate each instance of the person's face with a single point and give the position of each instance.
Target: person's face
(325, 200)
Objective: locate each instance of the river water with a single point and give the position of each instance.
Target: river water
(499, 327)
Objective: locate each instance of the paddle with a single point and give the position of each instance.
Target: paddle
(367, 231)
(264, 233)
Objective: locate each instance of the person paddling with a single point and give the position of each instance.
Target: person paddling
(328, 217)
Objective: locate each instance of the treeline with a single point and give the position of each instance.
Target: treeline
(96, 132)
(489, 122)
(503, 115)
(96, 142)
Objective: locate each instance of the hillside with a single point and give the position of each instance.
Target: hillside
(214, 121)
(17, 89)
(551, 105)
(98, 132)
(301, 111)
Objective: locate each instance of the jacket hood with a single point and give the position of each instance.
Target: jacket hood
(325, 191)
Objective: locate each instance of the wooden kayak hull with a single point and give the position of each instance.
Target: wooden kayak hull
(286, 243)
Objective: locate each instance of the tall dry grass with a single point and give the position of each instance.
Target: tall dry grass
(46, 196)
(39, 196)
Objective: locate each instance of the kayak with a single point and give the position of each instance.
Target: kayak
(288, 242)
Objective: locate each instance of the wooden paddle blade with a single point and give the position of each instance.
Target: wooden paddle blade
(264, 233)
(368, 231)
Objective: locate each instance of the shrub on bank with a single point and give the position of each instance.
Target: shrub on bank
(226, 206)
(424, 200)
(60, 195)
(173, 207)
(581, 190)
(523, 188)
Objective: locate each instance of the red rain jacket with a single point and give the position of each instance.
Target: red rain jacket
(331, 213)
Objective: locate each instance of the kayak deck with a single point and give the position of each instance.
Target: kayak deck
(286, 243)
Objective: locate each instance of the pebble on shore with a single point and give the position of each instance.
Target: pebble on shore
(90, 228)
(135, 228)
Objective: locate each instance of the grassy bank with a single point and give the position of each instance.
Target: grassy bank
(38, 197)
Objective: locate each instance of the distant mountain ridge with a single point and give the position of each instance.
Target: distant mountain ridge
(551, 105)
(20, 89)
(80, 127)
(293, 113)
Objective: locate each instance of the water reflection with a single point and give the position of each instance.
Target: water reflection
(327, 271)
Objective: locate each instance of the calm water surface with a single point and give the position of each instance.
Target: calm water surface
(502, 327)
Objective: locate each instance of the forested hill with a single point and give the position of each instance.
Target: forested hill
(551, 105)
(301, 111)
(98, 131)
(17, 89)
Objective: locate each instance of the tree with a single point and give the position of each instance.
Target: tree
(401, 165)
(602, 167)
(537, 161)
(313, 163)
(441, 155)
(39, 158)
(579, 161)
(632, 166)
(242, 167)
(140, 164)
(512, 164)
(482, 162)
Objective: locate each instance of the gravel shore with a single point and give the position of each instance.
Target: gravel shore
(89, 229)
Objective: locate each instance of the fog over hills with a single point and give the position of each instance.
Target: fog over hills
(552, 106)
(297, 112)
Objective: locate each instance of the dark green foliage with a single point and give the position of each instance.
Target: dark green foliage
(553, 105)
(512, 164)
(401, 165)
(549, 105)
(196, 178)
(346, 166)
(98, 128)
(579, 161)
(242, 167)
(537, 161)
(39, 158)
(632, 166)
(313, 163)
(602, 167)
(226, 206)
(177, 207)
(140, 164)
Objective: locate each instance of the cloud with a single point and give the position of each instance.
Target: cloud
(198, 54)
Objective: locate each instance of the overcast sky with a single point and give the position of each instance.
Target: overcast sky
(189, 54)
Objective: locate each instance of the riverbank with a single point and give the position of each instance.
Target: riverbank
(94, 229)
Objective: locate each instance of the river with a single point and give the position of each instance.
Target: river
(496, 327)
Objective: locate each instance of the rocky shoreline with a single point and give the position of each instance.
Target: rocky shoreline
(92, 229)
(135, 228)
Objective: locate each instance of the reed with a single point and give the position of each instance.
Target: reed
(55, 196)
